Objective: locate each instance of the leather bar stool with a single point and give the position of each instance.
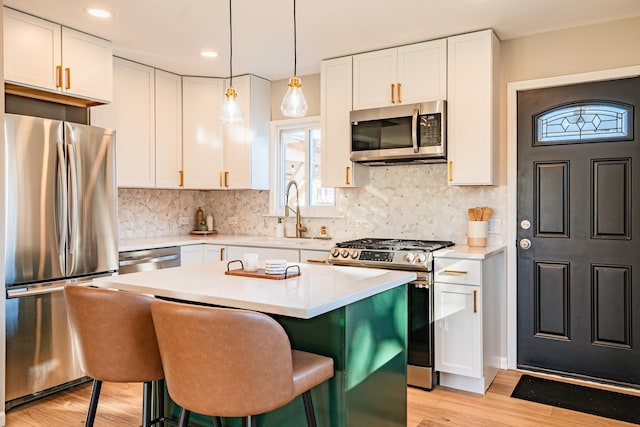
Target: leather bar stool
(232, 363)
(117, 342)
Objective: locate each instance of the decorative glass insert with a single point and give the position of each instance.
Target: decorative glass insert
(591, 121)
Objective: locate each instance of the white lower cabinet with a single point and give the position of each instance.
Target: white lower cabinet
(213, 253)
(191, 254)
(314, 256)
(467, 295)
(237, 252)
(206, 252)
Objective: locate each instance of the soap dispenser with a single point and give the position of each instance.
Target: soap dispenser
(280, 228)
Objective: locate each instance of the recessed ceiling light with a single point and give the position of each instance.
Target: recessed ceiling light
(99, 13)
(209, 54)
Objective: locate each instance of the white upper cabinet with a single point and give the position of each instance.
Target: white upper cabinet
(407, 74)
(202, 148)
(246, 145)
(132, 115)
(43, 55)
(473, 83)
(168, 129)
(88, 65)
(335, 105)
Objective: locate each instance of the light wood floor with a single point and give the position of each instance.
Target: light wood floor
(120, 405)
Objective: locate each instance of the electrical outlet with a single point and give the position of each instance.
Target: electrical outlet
(183, 220)
(232, 220)
(494, 226)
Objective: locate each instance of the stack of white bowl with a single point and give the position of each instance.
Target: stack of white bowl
(275, 266)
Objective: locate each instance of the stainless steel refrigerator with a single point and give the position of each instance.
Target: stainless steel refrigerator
(61, 227)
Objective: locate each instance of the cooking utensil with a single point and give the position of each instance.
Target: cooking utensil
(472, 215)
(486, 213)
(477, 214)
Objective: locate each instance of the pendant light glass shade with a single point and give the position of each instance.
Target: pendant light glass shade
(231, 112)
(294, 103)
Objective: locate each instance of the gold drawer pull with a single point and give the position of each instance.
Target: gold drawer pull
(475, 301)
(346, 177)
(316, 261)
(455, 271)
(450, 170)
(393, 89)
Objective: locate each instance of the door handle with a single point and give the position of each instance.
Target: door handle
(68, 72)
(450, 170)
(58, 75)
(226, 179)
(221, 254)
(393, 88)
(346, 177)
(399, 98)
(525, 244)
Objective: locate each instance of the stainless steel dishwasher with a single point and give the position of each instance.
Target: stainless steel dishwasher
(149, 259)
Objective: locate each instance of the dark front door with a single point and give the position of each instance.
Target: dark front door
(579, 230)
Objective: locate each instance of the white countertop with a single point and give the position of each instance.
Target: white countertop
(318, 290)
(225, 239)
(468, 252)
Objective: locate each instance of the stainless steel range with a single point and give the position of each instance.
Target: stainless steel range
(412, 255)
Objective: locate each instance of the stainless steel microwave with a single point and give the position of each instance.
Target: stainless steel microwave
(403, 134)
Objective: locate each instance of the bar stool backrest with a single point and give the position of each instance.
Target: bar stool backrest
(115, 334)
(223, 362)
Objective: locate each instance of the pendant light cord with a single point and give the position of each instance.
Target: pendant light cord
(295, 46)
(230, 47)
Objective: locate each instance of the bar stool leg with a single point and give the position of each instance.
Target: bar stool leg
(250, 421)
(184, 418)
(147, 392)
(308, 409)
(93, 403)
(160, 397)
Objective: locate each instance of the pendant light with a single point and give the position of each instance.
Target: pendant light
(231, 111)
(294, 104)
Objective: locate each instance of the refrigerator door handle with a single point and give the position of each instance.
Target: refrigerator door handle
(73, 185)
(62, 222)
(26, 292)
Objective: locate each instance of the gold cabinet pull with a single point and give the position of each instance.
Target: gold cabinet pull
(346, 176)
(399, 99)
(222, 254)
(58, 75)
(475, 301)
(68, 73)
(181, 174)
(450, 170)
(393, 89)
(220, 179)
(316, 261)
(455, 271)
(226, 179)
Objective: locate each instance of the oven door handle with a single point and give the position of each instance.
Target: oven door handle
(414, 130)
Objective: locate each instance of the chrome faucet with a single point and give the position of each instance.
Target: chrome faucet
(299, 228)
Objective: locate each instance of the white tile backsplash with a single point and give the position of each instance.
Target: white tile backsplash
(413, 202)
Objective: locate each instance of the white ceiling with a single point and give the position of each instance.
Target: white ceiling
(169, 34)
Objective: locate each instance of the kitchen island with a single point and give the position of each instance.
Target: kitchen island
(357, 316)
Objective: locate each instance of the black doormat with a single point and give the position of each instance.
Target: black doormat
(604, 403)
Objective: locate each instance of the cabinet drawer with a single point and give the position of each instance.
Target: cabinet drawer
(463, 271)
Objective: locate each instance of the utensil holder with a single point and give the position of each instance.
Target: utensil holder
(477, 233)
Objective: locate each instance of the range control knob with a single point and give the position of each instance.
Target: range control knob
(335, 252)
(354, 254)
(345, 253)
(409, 257)
(421, 258)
